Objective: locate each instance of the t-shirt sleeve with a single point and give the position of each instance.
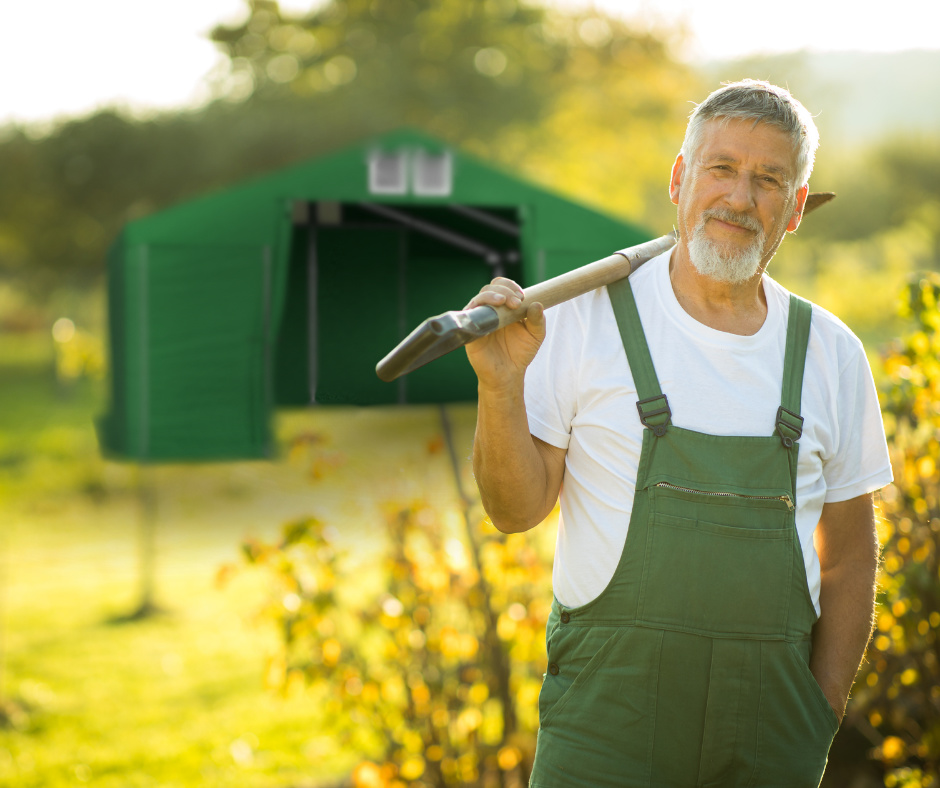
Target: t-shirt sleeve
(551, 379)
(861, 463)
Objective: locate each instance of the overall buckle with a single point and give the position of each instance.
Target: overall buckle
(650, 417)
(789, 426)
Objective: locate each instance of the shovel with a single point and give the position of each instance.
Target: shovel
(443, 333)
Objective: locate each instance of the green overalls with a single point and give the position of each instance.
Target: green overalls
(692, 667)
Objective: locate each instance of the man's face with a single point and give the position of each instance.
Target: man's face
(737, 197)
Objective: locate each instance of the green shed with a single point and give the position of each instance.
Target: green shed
(286, 290)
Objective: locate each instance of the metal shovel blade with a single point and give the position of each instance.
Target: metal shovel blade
(436, 337)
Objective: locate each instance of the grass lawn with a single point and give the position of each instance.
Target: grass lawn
(178, 698)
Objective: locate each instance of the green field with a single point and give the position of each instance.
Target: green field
(177, 698)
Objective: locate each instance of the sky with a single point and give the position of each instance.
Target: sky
(65, 58)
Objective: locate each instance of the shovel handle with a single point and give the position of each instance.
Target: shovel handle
(588, 277)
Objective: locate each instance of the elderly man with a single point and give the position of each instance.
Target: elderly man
(719, 440)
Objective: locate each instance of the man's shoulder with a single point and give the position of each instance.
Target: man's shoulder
(646, 275)
(825, 324)
(593, 310)
(640, 280)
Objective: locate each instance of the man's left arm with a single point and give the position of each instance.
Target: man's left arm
(847, 544)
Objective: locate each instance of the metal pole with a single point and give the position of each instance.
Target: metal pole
(146, 545)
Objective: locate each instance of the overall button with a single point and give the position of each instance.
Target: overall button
(553, 669)
(565, 617)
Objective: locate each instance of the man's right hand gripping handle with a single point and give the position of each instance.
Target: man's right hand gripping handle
(500, 359)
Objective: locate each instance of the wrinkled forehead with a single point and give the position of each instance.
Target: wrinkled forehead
(764, 144)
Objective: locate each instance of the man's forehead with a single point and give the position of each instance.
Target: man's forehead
(732, 140)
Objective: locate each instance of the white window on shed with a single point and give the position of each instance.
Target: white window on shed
(433, 174)
(388, 173)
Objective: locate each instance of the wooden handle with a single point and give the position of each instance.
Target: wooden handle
(588, 277)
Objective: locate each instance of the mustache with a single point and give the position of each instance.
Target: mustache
(727, 215)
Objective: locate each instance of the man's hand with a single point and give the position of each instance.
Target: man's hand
(847, 545)
(500, 359)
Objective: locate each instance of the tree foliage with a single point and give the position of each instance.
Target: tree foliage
(449, 67)
(430, 659)
(896, 703)
(857, 253)
(894, 182)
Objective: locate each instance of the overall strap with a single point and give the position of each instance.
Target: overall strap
(652, 406)
(789, 424)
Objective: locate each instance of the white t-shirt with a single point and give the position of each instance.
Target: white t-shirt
(580, 396)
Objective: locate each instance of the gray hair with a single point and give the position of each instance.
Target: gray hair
(761, 102)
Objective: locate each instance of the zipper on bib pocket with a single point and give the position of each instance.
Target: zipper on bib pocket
(784, 498)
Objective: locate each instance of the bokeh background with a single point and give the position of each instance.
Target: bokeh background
(342, 615)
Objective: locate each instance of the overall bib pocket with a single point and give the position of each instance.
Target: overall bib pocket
(716, 576)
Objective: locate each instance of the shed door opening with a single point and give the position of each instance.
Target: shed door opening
(363, 275)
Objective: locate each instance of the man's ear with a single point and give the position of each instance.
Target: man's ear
(798, 211)
(675, 180)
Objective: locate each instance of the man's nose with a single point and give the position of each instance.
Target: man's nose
(740, 195)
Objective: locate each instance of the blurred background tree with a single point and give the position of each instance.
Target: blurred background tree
(361, 67)
(896, 703)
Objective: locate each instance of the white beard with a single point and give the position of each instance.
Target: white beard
(726, 265)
